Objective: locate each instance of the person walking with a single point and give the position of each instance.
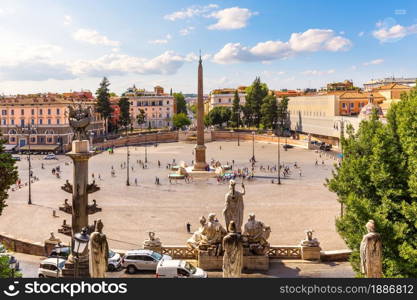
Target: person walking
(188, 227)
(136, 181)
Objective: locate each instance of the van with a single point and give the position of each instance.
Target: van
(176, 268)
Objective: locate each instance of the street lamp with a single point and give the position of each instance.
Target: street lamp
(21, 130)
(127, 157)
(57, 249)
(146, 151)
(238, 118)
(279, 159)
(13, 266)
(80, 244)
(253, 152)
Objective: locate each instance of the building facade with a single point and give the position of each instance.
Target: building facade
(374, 84)
(224, 97)
(158, 107)
(47, 117)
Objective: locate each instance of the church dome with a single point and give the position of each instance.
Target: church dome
(367, 110)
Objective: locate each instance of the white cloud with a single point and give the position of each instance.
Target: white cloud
(161, 41)
(93, 37)
(312, 40)
(361, 34)
(393, 33)
(400, 12)
(190, 12)
(67, 20)
(318, 72)
(231, 18)
(187, 30)
(374, 62)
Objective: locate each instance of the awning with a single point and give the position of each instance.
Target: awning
(39, 147)
(9, 147)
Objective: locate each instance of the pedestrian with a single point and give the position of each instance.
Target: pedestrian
(300, 173)
(188, 227)
(322, 162)
(99, 176)
(317, 163)
(159, 164)
(92, 175)
(136, 181)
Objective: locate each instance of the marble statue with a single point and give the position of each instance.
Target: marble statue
(233, 210)
(99, 252)
(194, 241)
(79, 118)
(310, 241)
(371, 252)
(256, 234)
(233, 253)
(152, 242)
(213, 232)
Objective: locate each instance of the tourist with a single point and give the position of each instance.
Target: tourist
(99, 176)
(42, 167)
(188, 227)
(317, 162)
(136, 181)
(300, 172)
(92, 175)
(322, 162)
(159, 164)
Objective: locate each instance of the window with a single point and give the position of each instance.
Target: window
(352, 105)
(40, 121)
(49, 140)
(32, 140)
(57, 121)
(22, 122)
(32, 111)
(3, 121)
(12, 139)
(12, 122)
(32, 121)
(220, 100)
(22, 112)
(40, 111)
(49, 121)
(57, 111)
(160, 103)
(4, 112)
(12, 112)
(49, 111)
(344, 105)
(167, 115)
(41, 140)
(182, 272)
(167, 102)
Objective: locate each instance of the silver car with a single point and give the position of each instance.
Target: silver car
(135, 260)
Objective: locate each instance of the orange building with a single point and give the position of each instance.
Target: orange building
(351, 103)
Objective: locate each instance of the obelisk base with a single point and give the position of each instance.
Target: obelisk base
(76, 270)
(200, 158)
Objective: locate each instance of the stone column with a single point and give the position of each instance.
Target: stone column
(200, 149)
(80, 155)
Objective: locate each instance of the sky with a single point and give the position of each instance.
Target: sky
(58, 46)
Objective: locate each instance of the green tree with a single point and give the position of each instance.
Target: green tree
(141, 117)
(219, 116)
(124, 105)
(269, 112)
(235, 117)
(180, 120)
(254, 96)
(282, 116)
(377, 180)
(103, 105)
(180, 103)
(5, 270)
(8, 176)
(193, 109)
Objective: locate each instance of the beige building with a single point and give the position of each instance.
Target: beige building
(224, 97)
(47, 116)
(159, 107)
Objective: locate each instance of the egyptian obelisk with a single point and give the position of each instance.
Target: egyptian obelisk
(200, 149)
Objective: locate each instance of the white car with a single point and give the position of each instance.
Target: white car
(176, 268)
(51, 267)
(135, 260)
(50, 156)
(114, 262)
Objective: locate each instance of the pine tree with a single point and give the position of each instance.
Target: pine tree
(377, 180)
(8, 176)
(283, 118)
(124, 105)
(254, 96)
(269, 111)
(180, 103)
(235, 118)
(103, 105)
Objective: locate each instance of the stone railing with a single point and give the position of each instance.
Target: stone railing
(285, 252)
(21, 245)
(179, 252)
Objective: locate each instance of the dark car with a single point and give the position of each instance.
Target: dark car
(63, 253)
(287, 146)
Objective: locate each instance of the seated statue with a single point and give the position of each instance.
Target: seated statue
(194, 241)
(66, 208)
(309, 241)
(152, 242)
(182, 171)
(256, 234)
(212, 233)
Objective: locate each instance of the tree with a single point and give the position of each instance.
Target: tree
(141, 117)
(103, 105)
(235, 117)
(8, 172)
(377, 180)
(5, 270)
(254, 96)
(193, 109)
(180, 103)
(124, 105)
(180, 120)
(219, 116)
(269, 111)
(282, 116)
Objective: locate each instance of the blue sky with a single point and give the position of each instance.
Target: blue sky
(55, 46)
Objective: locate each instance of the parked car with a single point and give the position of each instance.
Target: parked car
(135, 260)
(51, 267)
(15, 157)
(50, 156)
(12, 259)
(287, 146)
(114, 262)
(64, 252)
(178, 269)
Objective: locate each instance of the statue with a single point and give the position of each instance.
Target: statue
(99, 252)
(371, 252)
(213, 232)
(194, 241)
(233, 210)
(309, 241)
(79, 119)
(233, 253)
(152, 242)
(257, 234)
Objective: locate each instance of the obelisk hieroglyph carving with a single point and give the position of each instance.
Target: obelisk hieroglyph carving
(200, 149)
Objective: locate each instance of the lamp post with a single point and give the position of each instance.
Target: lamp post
(127, 157)
(21, 130)
(80, 243)
(253, 152)
(146, 151)
(342, 123)
(13, 266)
(238, 118)
(279, 159)
(57, 249)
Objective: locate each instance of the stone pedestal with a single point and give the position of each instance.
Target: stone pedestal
(200, 158)
(72, 270)
(250, 263)
(310, 253)
(50, 244)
